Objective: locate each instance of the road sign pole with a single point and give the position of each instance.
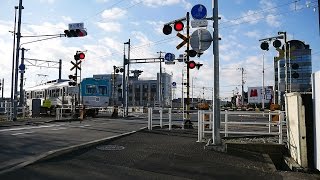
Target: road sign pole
(188, 123)
(21, 78)
(216, 140)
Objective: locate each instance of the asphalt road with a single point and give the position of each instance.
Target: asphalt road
(157, 154)
(23, 143)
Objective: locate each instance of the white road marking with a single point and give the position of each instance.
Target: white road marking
(31, 127)
(85, 125)
(29, 132)
(56, 129)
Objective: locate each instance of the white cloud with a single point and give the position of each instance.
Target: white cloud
(157, 3)
(110, 26)
(273, 20)
(114, 13)
(102, 1)
(251, 17)
(253, 34)
(66, 18)
(47, 1)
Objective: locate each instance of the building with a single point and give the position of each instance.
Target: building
(141, 92)
(298, 72)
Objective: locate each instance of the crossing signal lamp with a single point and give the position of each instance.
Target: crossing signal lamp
(191, 64)
(75, 33)
(79, 56)
(264, 46)
(119, 70)
(167, 29)
(178, 26)
(73, 80)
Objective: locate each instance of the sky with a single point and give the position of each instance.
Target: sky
(111, 23)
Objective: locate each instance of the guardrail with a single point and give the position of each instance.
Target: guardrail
(205, 124)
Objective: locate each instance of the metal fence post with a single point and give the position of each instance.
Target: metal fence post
(226, 123)
(281, 118)
(270, 121)
(150, 118)
(200, 124)
(160, 111)
(170, 120)
(199, 136)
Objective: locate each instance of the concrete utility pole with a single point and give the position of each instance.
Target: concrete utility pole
(263, 89)
(13, 58)
(216, 140)
(160, 81)
(127, 84)
(242, 84)
(14, 118)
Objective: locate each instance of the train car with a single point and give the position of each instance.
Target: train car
(58, 93)
(95, 92)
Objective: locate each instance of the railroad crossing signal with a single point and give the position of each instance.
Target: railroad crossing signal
(79, 56)
(184, 38)
(75, 33)
(73, 80)
(76, 65)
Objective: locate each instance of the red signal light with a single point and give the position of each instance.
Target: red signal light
(191, 64)
(178, 26)
(81, 55)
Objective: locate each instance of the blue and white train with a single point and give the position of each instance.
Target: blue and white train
(95, 93)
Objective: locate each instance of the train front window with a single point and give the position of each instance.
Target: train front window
(91, 89)
(103, 90)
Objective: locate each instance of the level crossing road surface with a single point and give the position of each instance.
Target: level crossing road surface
(157, 154)
(23, 143)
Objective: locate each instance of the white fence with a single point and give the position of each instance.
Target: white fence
(233, 123)
(242, 127)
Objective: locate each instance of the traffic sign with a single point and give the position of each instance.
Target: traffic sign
(74, 26)
(169, 62)
(22, 67)
(174, 84)
(185, 40)
(199, 23)
(199, 11)
(76, 65)
(169, 57)
(200, 40)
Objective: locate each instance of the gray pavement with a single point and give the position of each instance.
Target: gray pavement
(25, 142)
(157, 154)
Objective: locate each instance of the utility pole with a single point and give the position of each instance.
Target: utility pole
(17, 63)
(160, 81)
(216, 140)
(242, 84)
(13, 59)
(127, 85)
(263, 89)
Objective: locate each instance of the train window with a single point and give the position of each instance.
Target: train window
(103, 90)
(91, 89)
(57, 92)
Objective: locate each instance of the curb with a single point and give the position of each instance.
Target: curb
(58, 152)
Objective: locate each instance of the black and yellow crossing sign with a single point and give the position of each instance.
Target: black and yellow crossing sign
(76, 65)
(184, 38)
